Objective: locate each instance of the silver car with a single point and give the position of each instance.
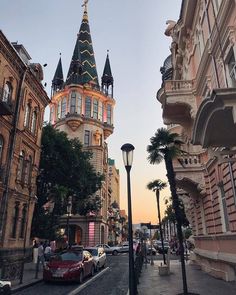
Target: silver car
(109, 250)
(99, 256)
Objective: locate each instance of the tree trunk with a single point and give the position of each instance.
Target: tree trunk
(175, 200)
(159, 217)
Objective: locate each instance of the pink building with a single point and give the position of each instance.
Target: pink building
(199, 102)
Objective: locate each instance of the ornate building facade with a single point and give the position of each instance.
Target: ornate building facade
(84, 110)
(198, 101)
(22, 104)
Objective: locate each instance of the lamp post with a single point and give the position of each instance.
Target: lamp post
(68, 210)
(127, 151)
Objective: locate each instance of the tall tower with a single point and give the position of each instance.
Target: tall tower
(84, 110)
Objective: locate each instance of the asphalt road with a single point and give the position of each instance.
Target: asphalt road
(111, 281)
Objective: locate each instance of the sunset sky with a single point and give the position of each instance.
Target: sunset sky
(133, 31)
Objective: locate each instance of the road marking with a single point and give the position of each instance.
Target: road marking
(84, 285)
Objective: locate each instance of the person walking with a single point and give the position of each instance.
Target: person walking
(35, 251)
(41, 258)
(47, 252)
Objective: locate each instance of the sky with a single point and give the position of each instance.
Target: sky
(133, 32)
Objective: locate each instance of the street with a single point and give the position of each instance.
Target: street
(113, 280)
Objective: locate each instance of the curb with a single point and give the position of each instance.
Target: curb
(25, 285)
(84, 285)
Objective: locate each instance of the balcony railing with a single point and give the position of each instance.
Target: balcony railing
(179, 85)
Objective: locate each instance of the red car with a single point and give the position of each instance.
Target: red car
(69, 266)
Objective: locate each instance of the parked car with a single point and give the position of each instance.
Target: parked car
(151, 250)
(5, 287)
(109, 250)
(70, 265)
(99, 257)
(158, 246)
(124, 248)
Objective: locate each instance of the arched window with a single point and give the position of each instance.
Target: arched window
(15, 219)
(63, 107)
(73, 102)
(79, 104)
(1, 147)
(59, 110)
(27, 115)
(28, 170)
(20, 172)
(33, 122)
(95, 109)
(88, 107)
(7, 92)
(23, 221)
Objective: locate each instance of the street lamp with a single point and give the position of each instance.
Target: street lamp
(68, 211)
(127, 152)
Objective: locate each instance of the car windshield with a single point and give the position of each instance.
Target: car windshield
(70, 256)
(93, 252)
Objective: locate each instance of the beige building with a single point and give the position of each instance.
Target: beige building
(22, 104)
(198, 98)
(84, 110)
(114, 182)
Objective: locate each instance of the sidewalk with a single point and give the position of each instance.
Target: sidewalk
(28, 278)
(151, 283)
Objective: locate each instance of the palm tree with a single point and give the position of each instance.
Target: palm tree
(166, 146)
(157, 186)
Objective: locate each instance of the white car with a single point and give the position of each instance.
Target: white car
(99, 256)
(109, 250)
(5, 287)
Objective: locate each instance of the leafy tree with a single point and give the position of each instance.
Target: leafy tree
(166, 146)
(65, 170)
(156, 186)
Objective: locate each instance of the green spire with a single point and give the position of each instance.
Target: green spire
(74, 75)
(86, 51)
(58, 80)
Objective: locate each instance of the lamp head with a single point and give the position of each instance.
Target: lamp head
(127, 152)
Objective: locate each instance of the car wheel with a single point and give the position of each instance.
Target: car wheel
(81, 277)
(92, 271)
(104, 265)
(115, 252)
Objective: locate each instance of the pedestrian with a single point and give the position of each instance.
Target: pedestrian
(35, 251)
(41, 254)
(138, 249)
(47, 252)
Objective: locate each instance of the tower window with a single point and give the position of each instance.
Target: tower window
(86, 137)
(100, 111)
(79, 104)
(95, 109)
(63, 108)
(59, 110)
(73, 102)
(109, 114)
(88, 107)
(7, 92)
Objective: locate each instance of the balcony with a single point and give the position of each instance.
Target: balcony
(108, 130)
(190, 174)
(178, 101)
(215, 122)
(5, 104)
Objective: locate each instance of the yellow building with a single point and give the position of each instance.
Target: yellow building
(114, 182)
(84, 110)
